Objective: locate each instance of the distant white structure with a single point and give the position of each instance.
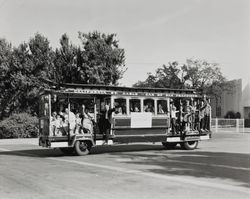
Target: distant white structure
(246, 101)
(230, 100)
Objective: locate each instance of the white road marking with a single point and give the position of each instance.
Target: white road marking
(180, 179)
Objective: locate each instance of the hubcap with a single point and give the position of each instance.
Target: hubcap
(83, 146)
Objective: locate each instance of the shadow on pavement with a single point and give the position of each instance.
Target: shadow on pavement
(43, 153)
(227, 166)
(200, 164)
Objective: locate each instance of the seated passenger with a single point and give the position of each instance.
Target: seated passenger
(149, 108)
(118, 111)
(137, 109)
(59, 123)
(160, 109)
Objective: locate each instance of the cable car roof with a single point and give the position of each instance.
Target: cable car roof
(122, 88)
(93, 89)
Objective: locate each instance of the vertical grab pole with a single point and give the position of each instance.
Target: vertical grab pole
(95, 118)
(68, 119)
(127, 106)
(112, 100)
(156, 108)
(95, 113)
(141, 102)
(168, 116)
(49, 118)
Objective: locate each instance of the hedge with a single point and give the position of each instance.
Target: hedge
(21, 125)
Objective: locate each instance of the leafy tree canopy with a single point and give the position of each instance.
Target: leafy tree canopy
(98, 60)
(195, 73)
(33, 65)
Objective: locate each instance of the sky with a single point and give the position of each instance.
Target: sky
(152, 32)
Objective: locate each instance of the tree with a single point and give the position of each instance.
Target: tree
(66, 69)
(195, 73)
(29, 66)
(33, 65)
(165, 77)
(202, 74)
(102, 59)
(5, 57)
(98, 61)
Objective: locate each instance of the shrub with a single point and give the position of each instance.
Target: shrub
(230, 114)
(20, 125)
(238, 115)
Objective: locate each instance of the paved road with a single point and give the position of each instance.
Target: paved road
(219, 168)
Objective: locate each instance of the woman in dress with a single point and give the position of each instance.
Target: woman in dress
(87, 120)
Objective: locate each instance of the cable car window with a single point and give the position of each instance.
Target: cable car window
(148, 105)
(162, 107)
(120, 106)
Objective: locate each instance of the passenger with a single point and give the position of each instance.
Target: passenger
(70, 118)
(62, 119)
(173, 117)
(160, 109)
(207, 115)
(124, 110)
(108, 121)
(137, 109)
(59, 125)
(118, 111)
(187, 116)
(86, 120)
(53, 123)
(149, 108)
(202, 116)
(193, 116)
(78, 124)
(197, 120)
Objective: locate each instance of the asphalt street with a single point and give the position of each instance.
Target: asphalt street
(219, 168)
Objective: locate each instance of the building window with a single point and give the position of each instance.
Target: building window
(218, 111)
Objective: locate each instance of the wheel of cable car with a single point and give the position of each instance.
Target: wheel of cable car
(82, 147)
(190, 145)
(67, 150)
(169, 145)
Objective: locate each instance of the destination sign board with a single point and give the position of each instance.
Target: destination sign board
(127, 93)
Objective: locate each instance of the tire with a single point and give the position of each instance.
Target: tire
(68, 150)
(191, 145)
(82, 147)
(169, 145)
